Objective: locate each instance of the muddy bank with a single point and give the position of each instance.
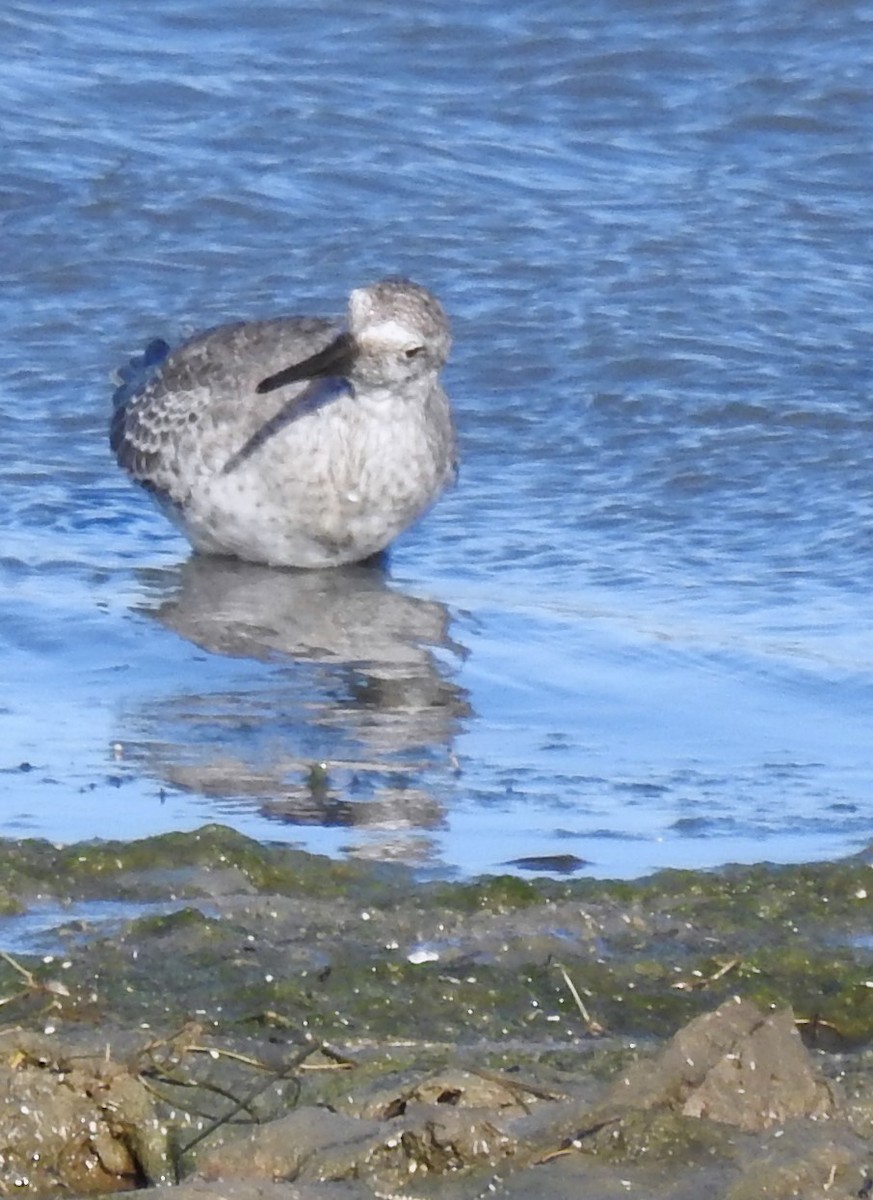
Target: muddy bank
(275, 1019)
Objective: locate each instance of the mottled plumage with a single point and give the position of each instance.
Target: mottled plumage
(297, 441)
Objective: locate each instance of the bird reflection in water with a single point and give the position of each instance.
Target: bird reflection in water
(353, 722)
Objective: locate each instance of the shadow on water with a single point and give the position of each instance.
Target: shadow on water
(350, 719)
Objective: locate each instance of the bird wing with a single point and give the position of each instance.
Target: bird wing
(165, 398)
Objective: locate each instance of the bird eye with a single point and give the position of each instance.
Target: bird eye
(413, 351)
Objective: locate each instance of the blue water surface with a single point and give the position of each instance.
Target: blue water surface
(638, 631)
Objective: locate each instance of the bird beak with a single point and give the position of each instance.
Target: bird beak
(335, 360)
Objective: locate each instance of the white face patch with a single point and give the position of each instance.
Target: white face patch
(391, 334)
(364, 324)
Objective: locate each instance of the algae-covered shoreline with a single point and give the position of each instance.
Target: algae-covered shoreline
(270, 984)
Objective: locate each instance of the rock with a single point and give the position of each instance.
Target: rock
(438, 1140)
(255, 1189)
(74, 1123)
(800, 1167)
(735, 1065)
(284, 1148)
(449, 1088)
(315, 1144)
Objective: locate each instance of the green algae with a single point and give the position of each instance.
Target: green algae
(492, 893)
(659, 1135)
(332, 953)
(756, 898)
(170, 923)
(99, 869)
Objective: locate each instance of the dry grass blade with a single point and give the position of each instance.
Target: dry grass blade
(704, 981)
(591, 1026)
(33, 986)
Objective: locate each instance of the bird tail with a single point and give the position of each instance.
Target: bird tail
(134, 375)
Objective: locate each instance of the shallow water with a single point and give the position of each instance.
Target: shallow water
(638, 631)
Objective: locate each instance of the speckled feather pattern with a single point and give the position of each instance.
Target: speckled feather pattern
(317, 472)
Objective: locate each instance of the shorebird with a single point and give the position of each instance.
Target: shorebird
(296, 441)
